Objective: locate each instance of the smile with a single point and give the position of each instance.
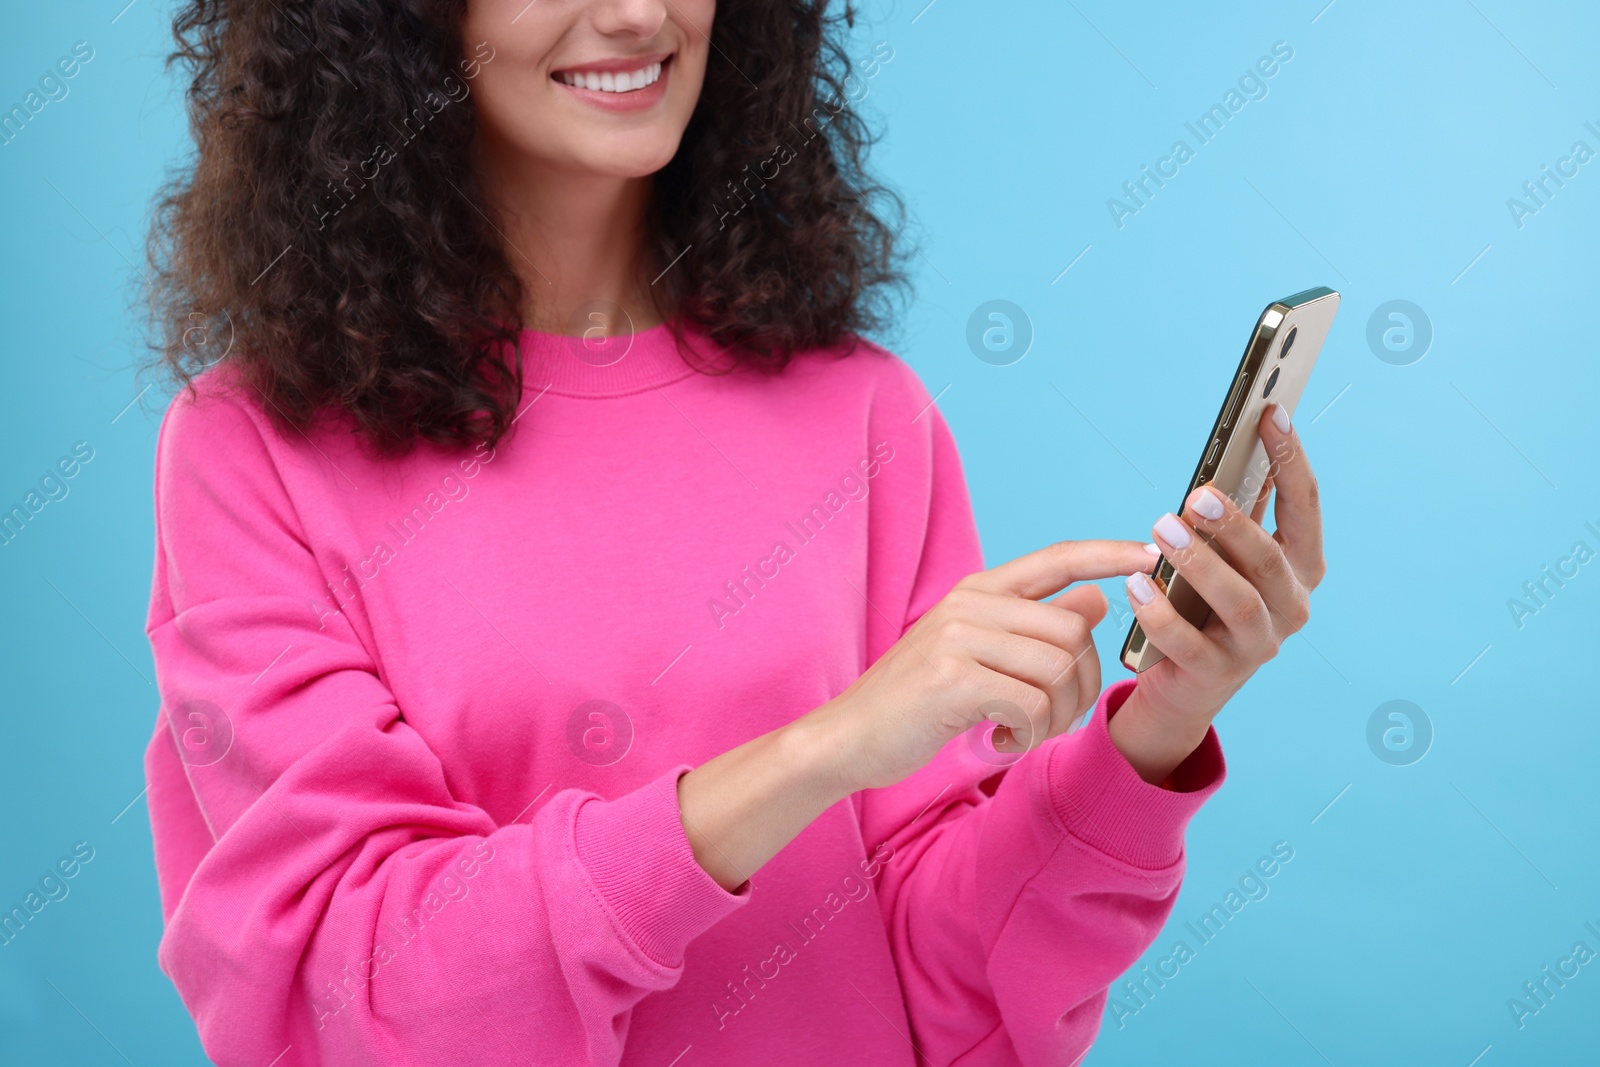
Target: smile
(611, 80)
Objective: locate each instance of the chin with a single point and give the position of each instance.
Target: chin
(620, 159)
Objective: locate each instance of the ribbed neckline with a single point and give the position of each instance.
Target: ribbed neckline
(612, 366)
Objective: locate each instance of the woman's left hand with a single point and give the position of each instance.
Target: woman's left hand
(1258, 587)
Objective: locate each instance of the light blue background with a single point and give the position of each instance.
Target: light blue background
(1379, 163)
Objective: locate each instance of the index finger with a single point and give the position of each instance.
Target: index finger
(1054, 567)
(1298, 508)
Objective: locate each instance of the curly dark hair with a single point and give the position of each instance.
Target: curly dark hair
(398, 305)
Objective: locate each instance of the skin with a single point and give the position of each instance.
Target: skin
(569, 184)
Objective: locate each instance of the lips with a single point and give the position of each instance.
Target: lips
(621, 84)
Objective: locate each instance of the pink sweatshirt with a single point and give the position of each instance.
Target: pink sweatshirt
(413, 785)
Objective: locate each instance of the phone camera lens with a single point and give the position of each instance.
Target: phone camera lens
(1287, 343)
(1272, 379)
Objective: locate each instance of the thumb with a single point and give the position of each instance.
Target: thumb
(1087, 600)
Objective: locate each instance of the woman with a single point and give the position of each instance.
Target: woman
(565, 625)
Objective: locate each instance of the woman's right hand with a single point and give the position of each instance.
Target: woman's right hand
(992, 648)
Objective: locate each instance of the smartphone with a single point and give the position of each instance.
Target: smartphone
(1276, 364)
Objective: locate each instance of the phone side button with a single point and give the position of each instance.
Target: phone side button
(1211, 456)
(1233, 399)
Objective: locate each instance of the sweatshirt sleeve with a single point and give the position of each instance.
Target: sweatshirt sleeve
(1014, 895)
(310, 849)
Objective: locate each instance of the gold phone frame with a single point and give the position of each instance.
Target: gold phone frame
(1234, 459)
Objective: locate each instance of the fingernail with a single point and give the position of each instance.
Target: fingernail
(1172, 531)
(1280, 418)
(1153, 548)
(1140, 588)
(1207, 503)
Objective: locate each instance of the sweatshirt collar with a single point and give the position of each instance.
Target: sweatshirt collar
(611, 366)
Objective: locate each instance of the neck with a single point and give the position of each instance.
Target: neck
(575, 239)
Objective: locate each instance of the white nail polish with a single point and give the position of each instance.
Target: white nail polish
(1153, 548)
(1174, 532)
(1208, 503)
(1280, 418)
(1140, 588)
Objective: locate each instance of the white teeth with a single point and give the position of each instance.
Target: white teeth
(623, 82)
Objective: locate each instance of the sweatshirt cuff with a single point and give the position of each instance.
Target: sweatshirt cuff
(1099, 798)
(637, 855)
